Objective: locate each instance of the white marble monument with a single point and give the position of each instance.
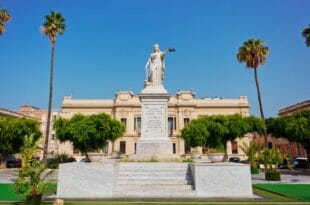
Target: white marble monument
(154, 141)
(112, 179)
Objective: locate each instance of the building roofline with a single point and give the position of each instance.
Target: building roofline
(292, 108)
(7, 112)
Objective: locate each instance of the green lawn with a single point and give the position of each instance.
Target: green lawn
(296, 191)
(7, 193)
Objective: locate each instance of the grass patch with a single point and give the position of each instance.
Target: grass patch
(7, 192)
(299, 192)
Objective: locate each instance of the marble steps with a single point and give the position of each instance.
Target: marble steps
(153, 180)
(155, 194)
(153, 176)
(154, 187)
(149, 173)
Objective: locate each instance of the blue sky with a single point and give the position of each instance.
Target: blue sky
(107, 43)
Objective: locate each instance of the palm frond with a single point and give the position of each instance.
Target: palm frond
(54, 24)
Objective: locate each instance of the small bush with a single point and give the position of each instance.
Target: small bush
(254, 170)
(273, 176)
(187, 160)
(53, 163)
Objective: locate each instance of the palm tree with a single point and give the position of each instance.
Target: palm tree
(4, 17)
(54, 24)
(254, 53)
(306, 34)
(251, 150)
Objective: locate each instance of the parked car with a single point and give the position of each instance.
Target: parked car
(245, 161)
(301, 162)
(85, 159)
(287, 163)
(13, 162)
(234, 159)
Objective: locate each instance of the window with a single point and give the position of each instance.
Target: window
(124, 122)
(137, 124)
(186, 121)
(135, 148)
(53, 125)
(174, 148)
(269, 145)
(171, 125)
(53, 136)
(187, 149)
(234, 147)
(54, 117)
(76, 151)
(122, 147)
(205, 150)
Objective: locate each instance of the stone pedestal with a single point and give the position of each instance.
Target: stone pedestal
(222, 180)
(154, 140)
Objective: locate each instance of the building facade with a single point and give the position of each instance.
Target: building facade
(291, 149)
(41, 116)
(182, 108)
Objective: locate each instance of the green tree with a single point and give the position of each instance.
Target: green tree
(88, 133)
(53, 25)
(306, 35)
(296, 128)
(195, 133)
(254, 53)
(256, 124)
(13, 132)
(215, 131)
(4, 17)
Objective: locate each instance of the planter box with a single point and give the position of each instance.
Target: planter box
(115, 155)
(254, 170)
(95, 157)
(34, 200)
(273, 176)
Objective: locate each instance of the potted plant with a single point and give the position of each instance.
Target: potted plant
(115, 154)
(32, 181)
(271, 158)
(217, 154)
(252, 150)
(89, 133)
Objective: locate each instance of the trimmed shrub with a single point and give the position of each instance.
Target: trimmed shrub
(254, 170)
(53, 163)
(273, 176)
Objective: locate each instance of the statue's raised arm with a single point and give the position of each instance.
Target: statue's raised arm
(155, 66)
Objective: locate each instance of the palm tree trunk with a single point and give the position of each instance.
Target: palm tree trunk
(49, 112)
(260, 105)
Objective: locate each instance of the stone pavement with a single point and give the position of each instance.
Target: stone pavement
(299, 176)
(8, 175)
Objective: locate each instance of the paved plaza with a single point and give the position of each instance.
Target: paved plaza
(8, 175)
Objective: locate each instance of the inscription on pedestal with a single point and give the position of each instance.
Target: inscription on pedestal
(154, 119)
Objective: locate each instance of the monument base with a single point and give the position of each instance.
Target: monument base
(79, 180)
(159, 149)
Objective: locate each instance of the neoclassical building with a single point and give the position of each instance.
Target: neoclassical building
(182, 108)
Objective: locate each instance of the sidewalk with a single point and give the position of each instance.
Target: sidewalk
(287, 177)
(8, 175)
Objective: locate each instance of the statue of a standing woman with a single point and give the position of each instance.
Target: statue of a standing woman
(155, 66)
